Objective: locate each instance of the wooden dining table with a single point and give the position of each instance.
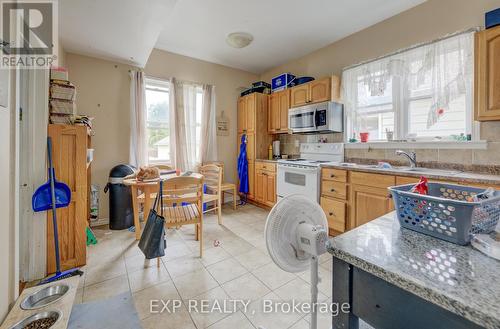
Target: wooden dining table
(148, 188)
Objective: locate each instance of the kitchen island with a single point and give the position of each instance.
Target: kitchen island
(398, 278)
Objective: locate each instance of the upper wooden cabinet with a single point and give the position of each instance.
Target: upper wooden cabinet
(487, 75)
(316, 91)
(279, 103)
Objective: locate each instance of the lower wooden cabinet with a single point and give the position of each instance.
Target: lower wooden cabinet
(251, 180)
(265, 183)
(368, 203)
(335, 212)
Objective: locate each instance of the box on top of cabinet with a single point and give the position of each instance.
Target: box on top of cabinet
(281, 82)
(492, 18)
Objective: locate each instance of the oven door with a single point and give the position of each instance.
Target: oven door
(298, 180)
(302, 119)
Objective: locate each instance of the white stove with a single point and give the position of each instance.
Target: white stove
(302, 175)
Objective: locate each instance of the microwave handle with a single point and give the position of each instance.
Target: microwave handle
(315, 118)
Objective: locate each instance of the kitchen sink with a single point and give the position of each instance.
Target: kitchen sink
(428, 170)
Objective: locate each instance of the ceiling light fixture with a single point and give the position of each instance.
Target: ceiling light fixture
(239, 39)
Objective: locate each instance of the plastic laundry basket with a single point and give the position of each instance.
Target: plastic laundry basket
(444, 212)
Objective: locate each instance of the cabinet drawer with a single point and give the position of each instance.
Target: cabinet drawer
(335, 213)
(334, 189)
(375, 180)
(266, 166)
(337, 175)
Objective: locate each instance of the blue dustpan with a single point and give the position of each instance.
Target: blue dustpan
(42, 199)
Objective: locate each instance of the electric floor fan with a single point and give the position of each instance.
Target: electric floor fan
(296, 235)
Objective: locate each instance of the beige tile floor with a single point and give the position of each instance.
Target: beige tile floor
(239, 268)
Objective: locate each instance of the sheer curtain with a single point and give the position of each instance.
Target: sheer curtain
(192, 124)
(208, 149)
(138, 153)
(444, 68)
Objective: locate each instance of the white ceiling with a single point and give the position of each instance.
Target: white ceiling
(123, 30)
(128, 30)
(283, 29)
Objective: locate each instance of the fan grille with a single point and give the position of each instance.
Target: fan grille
(281, 227)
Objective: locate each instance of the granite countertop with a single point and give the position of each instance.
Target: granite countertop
(457, 278)
(65, 304)
(458, 176)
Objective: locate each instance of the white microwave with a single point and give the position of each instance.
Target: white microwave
(321, 117)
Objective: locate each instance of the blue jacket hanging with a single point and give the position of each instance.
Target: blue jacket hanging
(243, 165)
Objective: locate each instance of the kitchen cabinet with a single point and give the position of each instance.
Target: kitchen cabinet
(265, 183)
(335, 213)
(316, 91)
(279, 104)
(253, 122)
(368, 203)
(69, 147)
(487, 75)
(334, 197)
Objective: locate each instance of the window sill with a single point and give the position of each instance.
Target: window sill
(478, 145)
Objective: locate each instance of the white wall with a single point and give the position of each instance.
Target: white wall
(8, 231)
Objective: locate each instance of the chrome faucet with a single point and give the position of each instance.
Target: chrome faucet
(412, 157)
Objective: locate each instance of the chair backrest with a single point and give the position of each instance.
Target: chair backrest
(219, 164)
(212, 176)
(188, 189)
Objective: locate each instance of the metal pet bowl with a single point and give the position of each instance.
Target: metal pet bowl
(42, 320)
(44, 297)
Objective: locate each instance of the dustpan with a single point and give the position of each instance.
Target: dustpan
(42, 199)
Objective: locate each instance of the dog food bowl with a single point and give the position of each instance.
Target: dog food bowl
(42, 320)
(44, 297)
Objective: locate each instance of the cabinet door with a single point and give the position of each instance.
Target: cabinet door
(251, 111)
(299, 95)
(251, 180)
(270, 189)
(69, 148)
(259, 186)
(273, 123)
(284, 105)
(368, 203)
(487, 75)
(250, 146)
(242, 115)
(320, 90)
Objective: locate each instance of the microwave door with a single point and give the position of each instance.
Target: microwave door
(304, 121)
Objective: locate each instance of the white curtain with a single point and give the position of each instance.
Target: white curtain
(444, 66)
(208, 149)
(193, 137)
(138, 155)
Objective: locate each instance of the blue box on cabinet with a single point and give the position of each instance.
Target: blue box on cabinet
(492, 18)
(281, 81)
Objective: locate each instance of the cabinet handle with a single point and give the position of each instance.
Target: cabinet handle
(330, 213)
(332, 175)
(332, 190)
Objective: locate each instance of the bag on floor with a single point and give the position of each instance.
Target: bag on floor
(153, 243)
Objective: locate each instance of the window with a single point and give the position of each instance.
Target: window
(422, 93)
(157, 121)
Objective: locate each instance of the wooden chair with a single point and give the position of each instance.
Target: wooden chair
(183, 204)
(212, 176)
(226, 187)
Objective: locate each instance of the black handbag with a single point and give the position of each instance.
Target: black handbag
(153, 243)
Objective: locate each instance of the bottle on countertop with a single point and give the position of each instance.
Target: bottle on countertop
(270, 152)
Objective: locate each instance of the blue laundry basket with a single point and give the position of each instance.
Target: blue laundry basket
(444, 212)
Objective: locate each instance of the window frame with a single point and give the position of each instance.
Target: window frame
(158, 85)
(401, 109)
